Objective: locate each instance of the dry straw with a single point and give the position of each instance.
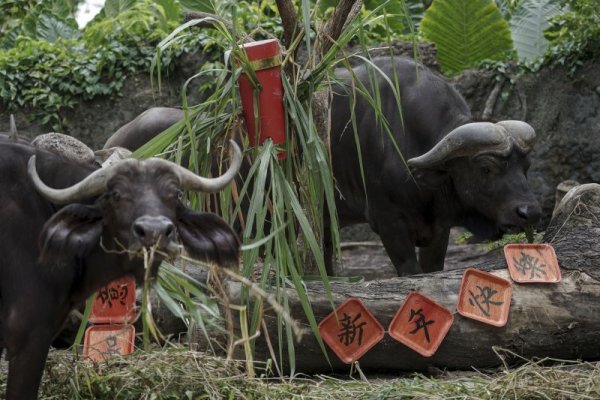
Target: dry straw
(177, 373)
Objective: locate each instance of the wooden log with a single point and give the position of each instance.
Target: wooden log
(546, 320)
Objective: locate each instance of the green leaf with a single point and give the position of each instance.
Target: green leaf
(393, 9)
(50, 28)
(528, 23)
(170, 9)
(112, 8)
(507, 7)
(61, 8)
(207, 6)
(466, 32)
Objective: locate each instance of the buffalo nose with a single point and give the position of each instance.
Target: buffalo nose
(529, 213)
(150, 229)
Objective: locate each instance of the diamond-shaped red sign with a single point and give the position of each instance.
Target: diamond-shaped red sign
(484, 297)
(354, 331)
(115, 302)
(532, 263)
(104, 341)
(421, 324)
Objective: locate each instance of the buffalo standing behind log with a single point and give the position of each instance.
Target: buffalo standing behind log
(463, 173)
(90, 232)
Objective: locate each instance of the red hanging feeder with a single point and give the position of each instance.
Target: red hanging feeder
(265, 59)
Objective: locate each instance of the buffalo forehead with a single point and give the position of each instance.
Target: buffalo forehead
(143, 174)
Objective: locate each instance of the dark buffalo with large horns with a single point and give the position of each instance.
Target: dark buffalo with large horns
(67, 228)
(457, 172)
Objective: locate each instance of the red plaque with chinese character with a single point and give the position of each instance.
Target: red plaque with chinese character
(421, 324)
(354, 331)
(532, 263)
(102, 342)
(115, 302)
(484, 297)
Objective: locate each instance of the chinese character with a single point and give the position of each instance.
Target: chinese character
(484, 298)
(528, 263)
(112, 349)
(420, 322)
(109, 294)
(350, 329)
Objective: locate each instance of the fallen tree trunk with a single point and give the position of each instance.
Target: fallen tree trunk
(559, 320)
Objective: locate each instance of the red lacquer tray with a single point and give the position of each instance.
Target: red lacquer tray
(115, 303)
(421, 324)
(532, 263)
(102, 342)
(484, 297)
(354, 332)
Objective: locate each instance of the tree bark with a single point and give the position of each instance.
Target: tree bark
(332, 30)
(289, 20)
(546, 320)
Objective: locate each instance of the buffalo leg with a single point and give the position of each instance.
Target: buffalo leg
(432, 257)
(394, 234)
(328, 248)
(26, 366)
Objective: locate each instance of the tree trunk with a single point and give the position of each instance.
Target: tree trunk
(546, 320)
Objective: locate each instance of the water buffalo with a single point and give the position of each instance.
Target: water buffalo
(464, 173)
(91, 226)
(144, 127)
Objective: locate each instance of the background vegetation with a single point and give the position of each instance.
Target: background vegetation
(47, 63)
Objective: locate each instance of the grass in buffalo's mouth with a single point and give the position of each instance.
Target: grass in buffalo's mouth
(176, 373)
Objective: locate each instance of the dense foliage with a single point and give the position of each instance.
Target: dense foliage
(50, 64)
(574, 34)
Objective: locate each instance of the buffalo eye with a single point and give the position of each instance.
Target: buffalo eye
(115, 195)
(491, 165)
(174, 194)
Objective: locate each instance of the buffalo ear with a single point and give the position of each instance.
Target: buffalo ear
(208, 238)
(72, 231)
(430, 178)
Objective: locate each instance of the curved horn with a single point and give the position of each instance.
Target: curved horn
(93, 185)
(522, 133)
(191, 181)
(477, 137)
(13, 128)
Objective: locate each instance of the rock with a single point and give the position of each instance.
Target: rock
(561, 190)
(64, 145)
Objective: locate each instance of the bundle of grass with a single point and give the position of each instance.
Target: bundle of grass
(177, 373)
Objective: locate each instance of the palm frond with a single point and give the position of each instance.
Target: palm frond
(466, 32)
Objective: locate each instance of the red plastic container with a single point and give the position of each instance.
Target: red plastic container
(353, 333)
(265, 58)
(115, 303)
(102, 342)
(421, 324)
